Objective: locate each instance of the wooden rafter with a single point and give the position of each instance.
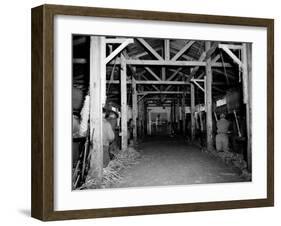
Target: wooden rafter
(175, 73)
(154, 86)
(196, 82)
(184, 56)
(180, 73)
(118, 49)
(161, 92)
(204, 56)
(183, 50)
(170, 86)
(215, 59)
(194, 63)
(137, 56)
(218, 71)
(115, 40)
(232, 55)
(164, 63)
(149, 48)
(229, 46)
(152, 73)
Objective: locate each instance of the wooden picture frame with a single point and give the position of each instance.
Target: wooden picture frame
(43, 120)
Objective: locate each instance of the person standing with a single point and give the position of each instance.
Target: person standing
(107, 137)
(222, 140)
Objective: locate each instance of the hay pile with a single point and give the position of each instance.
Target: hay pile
(112, 174)
(235, 160)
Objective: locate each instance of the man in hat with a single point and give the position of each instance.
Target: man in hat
(222, 134)
(107, 136)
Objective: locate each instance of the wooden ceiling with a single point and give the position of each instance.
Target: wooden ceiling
(224, 78)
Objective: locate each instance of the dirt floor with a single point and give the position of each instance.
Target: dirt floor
(171, 161)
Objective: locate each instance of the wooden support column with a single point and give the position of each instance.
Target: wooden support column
(192, 110)
(145, 123)
(166, 57)
(124, 126)
(208, 106)
(183, 113)
(97, 70)
(135, 109)
(178, 114)
(246, 56)
(141, 119)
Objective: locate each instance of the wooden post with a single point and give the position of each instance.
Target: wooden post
(139, 119)
(178, 114)
(124, 126)
(192, 110)
(97, 70)
(208, 106)
(183, 113)
(135, 109)
(148, 122)
(166, 57)
(246, 56)
(145, 123)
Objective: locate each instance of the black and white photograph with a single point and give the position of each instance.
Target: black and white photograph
(159, 112)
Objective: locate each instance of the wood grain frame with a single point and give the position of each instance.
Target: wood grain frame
(42, 202)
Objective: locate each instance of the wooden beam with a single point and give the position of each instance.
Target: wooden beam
(153, 82)
(163, 73)
(215, 59)
(167, 49)
(201, 75)
(180, 73)
(196, 82)
(233, 57)
(230, 46)
(178, 114)
(118, 49)
(144, 53)
(97, 54)
(246, 56)
(160, 92)
(245, 74)
(175, 73)
(163, 82)
(116, 40)
(183, 113)
(166, 63)
(211, 50)
(124, 138)
(183, 50)
(183, 55)
(149, 48)
(192, 109)
(208, 105)
(154, 86)
(218, 64)
(134, 109)
(222, 73)
(152, 73)
(192, 63)
(163, 62)
(166, 57)
(204, 56)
